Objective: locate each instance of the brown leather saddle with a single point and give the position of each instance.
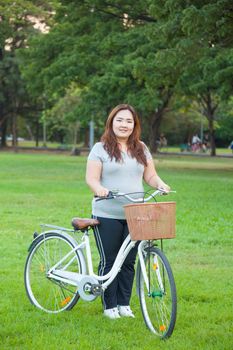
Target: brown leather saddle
(81, 223)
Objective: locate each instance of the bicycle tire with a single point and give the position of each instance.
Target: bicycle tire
(159, 304)
(47, 294)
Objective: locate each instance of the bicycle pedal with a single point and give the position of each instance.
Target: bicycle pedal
(96, 289)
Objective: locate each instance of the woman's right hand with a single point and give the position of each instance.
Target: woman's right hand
(101, 192)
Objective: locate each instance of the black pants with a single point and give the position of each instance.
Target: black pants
(109, 236)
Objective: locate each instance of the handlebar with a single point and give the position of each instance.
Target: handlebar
(115, 193)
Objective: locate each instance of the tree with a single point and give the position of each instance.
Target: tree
(18, 21)
(144, 53)
(224, 130)
(199, 33)
(110, 51)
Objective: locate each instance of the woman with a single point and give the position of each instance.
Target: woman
(120, 161)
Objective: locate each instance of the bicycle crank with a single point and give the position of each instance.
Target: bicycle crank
(96, 289)
(87, 288)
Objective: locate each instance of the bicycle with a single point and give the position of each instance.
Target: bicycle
(59, 269)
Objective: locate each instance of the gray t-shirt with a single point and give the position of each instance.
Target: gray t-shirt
(125, 176)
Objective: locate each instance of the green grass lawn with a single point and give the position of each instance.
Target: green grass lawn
(39, 188)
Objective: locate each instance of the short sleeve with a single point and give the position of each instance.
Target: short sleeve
(96, 152)
(147, 152)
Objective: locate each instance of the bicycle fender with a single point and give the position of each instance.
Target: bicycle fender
(42, 234)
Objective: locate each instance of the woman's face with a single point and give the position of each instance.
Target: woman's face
(123, 124)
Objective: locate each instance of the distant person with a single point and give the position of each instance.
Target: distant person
(196, 143)
(231, 146)
(163, 141)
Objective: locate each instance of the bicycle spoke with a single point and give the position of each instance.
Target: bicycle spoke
(48, 293)
(159, 305)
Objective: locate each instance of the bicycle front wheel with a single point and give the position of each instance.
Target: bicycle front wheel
(158, 298)
(49, 294)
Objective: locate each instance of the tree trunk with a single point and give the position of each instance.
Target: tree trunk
(86, 137)
(37, 133)
(75, 151)
(3, 119)
(30, 133)
(3, 128)
(209, 111)
(14, 132)
(155, 121)
(212, 137)
(75, 134)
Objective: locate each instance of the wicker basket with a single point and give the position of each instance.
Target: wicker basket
(151, 220)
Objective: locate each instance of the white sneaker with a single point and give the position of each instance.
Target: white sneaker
(112, 313)
(125, 311)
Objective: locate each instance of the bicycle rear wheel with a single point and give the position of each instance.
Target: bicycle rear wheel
(48, 294)
(159, 303)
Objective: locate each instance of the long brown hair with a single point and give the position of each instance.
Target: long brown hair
(135, 146)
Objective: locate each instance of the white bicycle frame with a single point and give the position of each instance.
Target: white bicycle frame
(74, 278)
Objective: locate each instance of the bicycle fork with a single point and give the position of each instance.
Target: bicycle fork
(141, 255)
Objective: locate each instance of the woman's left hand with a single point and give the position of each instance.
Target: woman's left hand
(164, 187)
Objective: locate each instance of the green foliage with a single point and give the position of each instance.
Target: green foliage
(18, 22)
(196, 33)
(109, 54)
(148, 54)
(225, 122)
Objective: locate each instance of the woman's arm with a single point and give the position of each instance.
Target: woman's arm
(151, 177)
(93, 175)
